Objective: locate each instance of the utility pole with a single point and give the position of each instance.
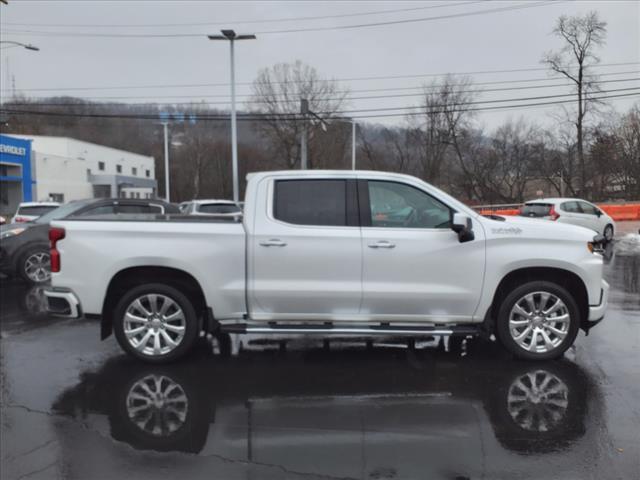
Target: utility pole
(353, 143)
(304, 110)
(231, 36)
(167, 195)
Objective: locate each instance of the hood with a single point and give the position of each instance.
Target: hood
(523, 227)
(12, 226)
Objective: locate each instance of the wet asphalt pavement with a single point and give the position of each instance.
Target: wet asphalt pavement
(75, 407)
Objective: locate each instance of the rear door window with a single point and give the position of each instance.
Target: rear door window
(311, 202)
(218, 208)
(536, 209)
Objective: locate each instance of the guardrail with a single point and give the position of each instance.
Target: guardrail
(619, 212)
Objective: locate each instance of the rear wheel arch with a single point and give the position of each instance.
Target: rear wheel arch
(132, 277)
(564, 278)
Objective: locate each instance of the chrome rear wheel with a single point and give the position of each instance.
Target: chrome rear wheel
(154, 324)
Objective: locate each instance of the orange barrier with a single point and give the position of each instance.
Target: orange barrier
(630, 211)
(620, 213)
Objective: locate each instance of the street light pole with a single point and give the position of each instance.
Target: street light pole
(231, 36)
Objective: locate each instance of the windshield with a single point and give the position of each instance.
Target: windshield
(61, 212)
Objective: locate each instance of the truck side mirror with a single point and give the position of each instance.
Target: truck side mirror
(463, 226)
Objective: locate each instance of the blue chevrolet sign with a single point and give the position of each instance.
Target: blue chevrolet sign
(16, 152)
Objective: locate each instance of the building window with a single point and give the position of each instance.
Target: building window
(101, 166)
(57, 197)
(118, 168)
(134, 171)
(148, 173)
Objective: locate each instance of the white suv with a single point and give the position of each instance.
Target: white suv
(571, 210)
(29, 211)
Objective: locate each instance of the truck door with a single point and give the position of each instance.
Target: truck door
(305, 255)
(414, 267)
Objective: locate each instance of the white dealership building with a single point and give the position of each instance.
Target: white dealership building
(65, 169)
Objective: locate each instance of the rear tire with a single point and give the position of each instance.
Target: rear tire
(155, 323)
(538, 321)
(34, 265)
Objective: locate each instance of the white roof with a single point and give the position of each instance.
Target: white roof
(556, 200)
(212, 200)
(39, 204)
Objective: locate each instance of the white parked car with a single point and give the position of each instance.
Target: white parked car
(330, 253)
(221, 208)
(571, 210)
(29, 211)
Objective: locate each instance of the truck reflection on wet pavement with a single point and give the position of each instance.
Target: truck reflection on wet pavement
(75, 407)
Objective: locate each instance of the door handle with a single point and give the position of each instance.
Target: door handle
(382, 244)
(274, 242)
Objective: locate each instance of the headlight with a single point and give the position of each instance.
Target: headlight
(11, 233)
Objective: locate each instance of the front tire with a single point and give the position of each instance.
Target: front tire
(155, 323)
(538, 321)
(608, 233)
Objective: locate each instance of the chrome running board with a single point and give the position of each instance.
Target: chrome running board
(329, 329)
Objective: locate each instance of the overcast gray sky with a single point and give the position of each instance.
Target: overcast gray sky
(499, 40)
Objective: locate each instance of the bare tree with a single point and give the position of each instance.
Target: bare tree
(581, 35)
(277, 92)
(387, 149)
(628, 135)
(510, 160)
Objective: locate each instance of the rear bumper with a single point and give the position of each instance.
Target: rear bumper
(62, 303)
(596, 312)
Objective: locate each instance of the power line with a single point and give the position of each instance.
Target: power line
(347, 79)
(246, 22)
(366, 90)
(270, 116)
(292, 30)
(523, 99)
(498, 108)
(369, 97)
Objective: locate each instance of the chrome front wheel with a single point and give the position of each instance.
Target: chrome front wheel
(539, 322)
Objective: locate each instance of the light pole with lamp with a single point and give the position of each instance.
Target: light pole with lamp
(28, 46)
(231, 36)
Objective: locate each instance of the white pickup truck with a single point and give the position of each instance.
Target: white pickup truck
(330, 253)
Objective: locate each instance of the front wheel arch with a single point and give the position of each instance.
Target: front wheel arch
(564, 278)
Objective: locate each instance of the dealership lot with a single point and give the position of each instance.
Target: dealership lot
(75, 407)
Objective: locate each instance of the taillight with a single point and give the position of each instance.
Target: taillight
(55, 234)
(20, 219)
(553, 214)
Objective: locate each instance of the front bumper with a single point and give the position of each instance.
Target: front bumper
(596, 312)
(62, 302)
